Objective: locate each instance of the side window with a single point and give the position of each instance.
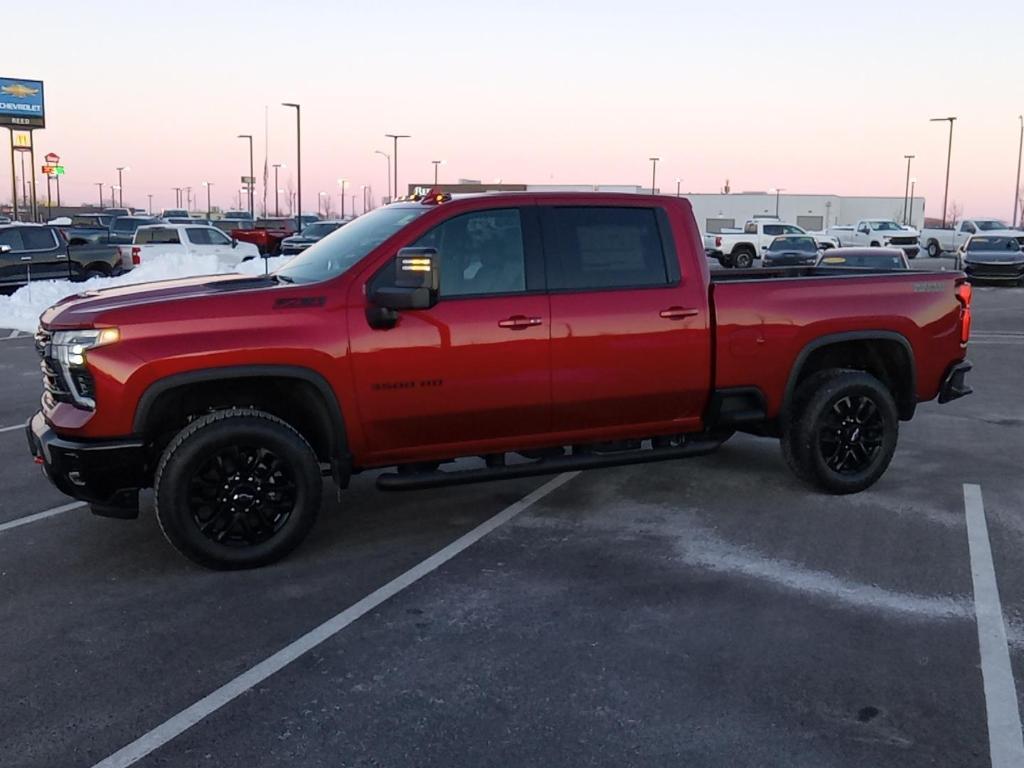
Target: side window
(969, 228)
(773, 229)
(161, 236)
(481, 253)
(789, 229)
(199, 235)
(595, 248)
(38, 239)
(750, 228)
(11, 236)
(217, 237)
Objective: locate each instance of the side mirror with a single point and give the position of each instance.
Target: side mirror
(417, 280)
(5, 249)
(234, 243)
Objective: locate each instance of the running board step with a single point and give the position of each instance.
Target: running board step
(394, 481)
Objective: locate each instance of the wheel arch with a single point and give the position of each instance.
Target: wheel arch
(888, 355)
(301, 396)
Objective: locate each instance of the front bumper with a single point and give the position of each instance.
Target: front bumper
(107, 475)
(1008, 271)
(955, 384)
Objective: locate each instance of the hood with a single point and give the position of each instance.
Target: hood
(300, 240)
(897, 232)
(82, 309)
(994, 257)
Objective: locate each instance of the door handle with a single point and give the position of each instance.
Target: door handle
(678, 313)
(61, 257)
(26, 258)
(519, 322)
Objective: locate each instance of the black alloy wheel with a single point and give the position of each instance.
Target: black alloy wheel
(851, 433)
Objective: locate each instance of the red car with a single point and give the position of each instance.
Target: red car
(265, 234)
(534, 333)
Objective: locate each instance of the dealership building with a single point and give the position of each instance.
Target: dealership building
(715, 212)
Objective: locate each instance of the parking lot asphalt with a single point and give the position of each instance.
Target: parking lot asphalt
(709, 612)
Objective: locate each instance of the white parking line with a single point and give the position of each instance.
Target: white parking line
(1005, 741)
(40, 516)
(12, 428)
(188, 717)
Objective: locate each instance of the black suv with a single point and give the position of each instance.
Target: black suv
(41, 252)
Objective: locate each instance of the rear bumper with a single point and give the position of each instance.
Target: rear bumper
(955, 384)
(107, 475)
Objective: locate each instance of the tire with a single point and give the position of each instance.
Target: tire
(89, 274)
(863, 414)
(204, 459)
(743, 259)
(875, 244)
(726, 261)
(933, 249)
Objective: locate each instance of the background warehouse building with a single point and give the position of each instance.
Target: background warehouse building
(715, 212)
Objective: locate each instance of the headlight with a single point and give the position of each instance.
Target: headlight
(69, 346)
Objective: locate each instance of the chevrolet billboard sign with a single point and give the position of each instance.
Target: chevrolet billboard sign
(21, 103)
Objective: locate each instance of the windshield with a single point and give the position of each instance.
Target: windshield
(130, 225)
(993, 244)
(885, 226)
(989, 225)
(337, 252)
(803, 244)
(319, 230)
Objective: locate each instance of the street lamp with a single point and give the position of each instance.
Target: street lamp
(1016, 187)
(949, 158)
(319, 202)
(436, 164)
(678, 185)
(654, 172)
(363, 188)
(298, 159)
(342, 183)
(113, 200)
(120, 184)
(396, 137)
(177, 196)
(100, 185)
(277, 200)
(150, 204)
(906, 189)
(209, 207)
(387, 159)
(251, 184)
(778, 193)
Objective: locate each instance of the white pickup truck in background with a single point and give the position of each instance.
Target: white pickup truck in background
(878, 233)
(937, 241)
(739, 248)
(157, 240)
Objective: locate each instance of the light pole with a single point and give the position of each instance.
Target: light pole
(910, 216)
(396, 137)
(342, 183)
(679, 183)
(778, 193)
(120, 184)
(319, 202)
(100, 185)
(209, 207)
(436, 163)
(150, 204)
(906, 189)
(298, 161)
(1016, 187)
(188, 198)
(387, 159)
(277, 199)
(251, 184)
(654, 173)
(177, 196)
(363, 189)
(113, 199)
(949, 158)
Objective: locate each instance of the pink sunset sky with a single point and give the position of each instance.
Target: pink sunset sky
(812, 97)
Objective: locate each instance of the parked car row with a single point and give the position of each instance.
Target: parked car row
(43, 252)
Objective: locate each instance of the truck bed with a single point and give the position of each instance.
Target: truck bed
(766, 319)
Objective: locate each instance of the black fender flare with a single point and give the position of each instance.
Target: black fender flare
(906, 410)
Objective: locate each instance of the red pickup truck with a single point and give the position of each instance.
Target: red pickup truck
(522, 333)
(265, 234)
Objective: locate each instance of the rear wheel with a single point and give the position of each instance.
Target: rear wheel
(933, 249)
(843, 431)
(743, 258)
(237, 489)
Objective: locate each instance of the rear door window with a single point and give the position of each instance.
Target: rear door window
(200, 235)
(11, 236)
(38, 239)
(595, 248)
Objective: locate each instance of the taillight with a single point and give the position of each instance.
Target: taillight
(136, 255)
(718, 242)
(964, 293)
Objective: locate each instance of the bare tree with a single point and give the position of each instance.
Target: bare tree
(956, 212)
(327, 206)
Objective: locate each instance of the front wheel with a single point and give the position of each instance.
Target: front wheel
(237, 489)
(933, 250)
(844, 431)
(744, 260)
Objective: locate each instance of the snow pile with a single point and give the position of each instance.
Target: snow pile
(20, 311)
